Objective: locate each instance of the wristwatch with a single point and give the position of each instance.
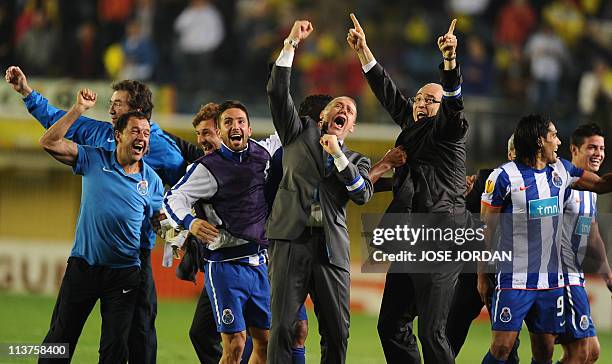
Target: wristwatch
(294, 43)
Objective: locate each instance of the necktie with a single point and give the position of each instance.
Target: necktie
(329, 165)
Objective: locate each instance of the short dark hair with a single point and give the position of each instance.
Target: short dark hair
(231, 104)
(208, 111)
(123, 119)
(585, 131)
(313, 105)
(527, 136)
(139, 95)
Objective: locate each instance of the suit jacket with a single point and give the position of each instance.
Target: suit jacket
(305, 170)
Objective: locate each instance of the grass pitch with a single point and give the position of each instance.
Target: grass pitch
(25, 319)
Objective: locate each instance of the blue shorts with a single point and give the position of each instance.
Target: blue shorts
(578, 321)
(239, 295)
(542, 310)
(301, 316)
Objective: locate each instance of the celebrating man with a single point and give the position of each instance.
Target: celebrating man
(309, 251)
(433, 136)
(120, 193)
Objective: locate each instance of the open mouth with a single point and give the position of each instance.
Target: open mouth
(340, 120)
(235, 137)
(138, 147)
(421, 115)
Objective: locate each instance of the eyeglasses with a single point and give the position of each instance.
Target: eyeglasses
(428, 100)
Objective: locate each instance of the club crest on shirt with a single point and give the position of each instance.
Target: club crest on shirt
(228, 316)
(505, 316)
(556, 179)
(142, 187)
(584, 322)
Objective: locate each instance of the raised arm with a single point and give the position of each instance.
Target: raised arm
(451, 123)
(53, 140)
(447, 44)
(284, 113)
(357, 41)
(84, 131)
(379, 80)
(15, 77)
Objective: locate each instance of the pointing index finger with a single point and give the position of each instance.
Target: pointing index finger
(451, 28)
(356, 22)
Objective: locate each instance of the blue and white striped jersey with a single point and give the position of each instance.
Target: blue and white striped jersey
(531, 202)
(580, 209)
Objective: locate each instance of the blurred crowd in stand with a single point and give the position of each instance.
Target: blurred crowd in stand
(553, 56)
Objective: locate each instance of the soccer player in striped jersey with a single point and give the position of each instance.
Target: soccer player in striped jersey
(525, 197)
(580, 237)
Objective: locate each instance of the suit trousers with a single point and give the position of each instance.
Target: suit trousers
(297, 268)
(406, 296)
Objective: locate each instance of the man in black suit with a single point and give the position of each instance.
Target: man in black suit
(309, 250)
(432, 181)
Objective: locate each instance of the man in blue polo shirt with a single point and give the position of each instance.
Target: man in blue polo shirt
(120, 192)
(164, 157)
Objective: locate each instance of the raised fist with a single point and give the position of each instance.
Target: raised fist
(301, 30)
(330, 144)
(17, 79)
(86, 99)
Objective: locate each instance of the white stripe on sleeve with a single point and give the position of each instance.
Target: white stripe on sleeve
(198, 183)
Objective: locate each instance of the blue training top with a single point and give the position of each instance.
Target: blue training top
(114, 206)
(164, 155)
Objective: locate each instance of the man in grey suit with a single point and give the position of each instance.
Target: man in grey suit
(309, 249)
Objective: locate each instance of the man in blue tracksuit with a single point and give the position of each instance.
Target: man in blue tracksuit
(120, 193)
(164, 157)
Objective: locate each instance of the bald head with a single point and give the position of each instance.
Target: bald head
(427, 101)
(434, 89)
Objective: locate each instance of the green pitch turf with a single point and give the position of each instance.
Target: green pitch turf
(25, 319)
